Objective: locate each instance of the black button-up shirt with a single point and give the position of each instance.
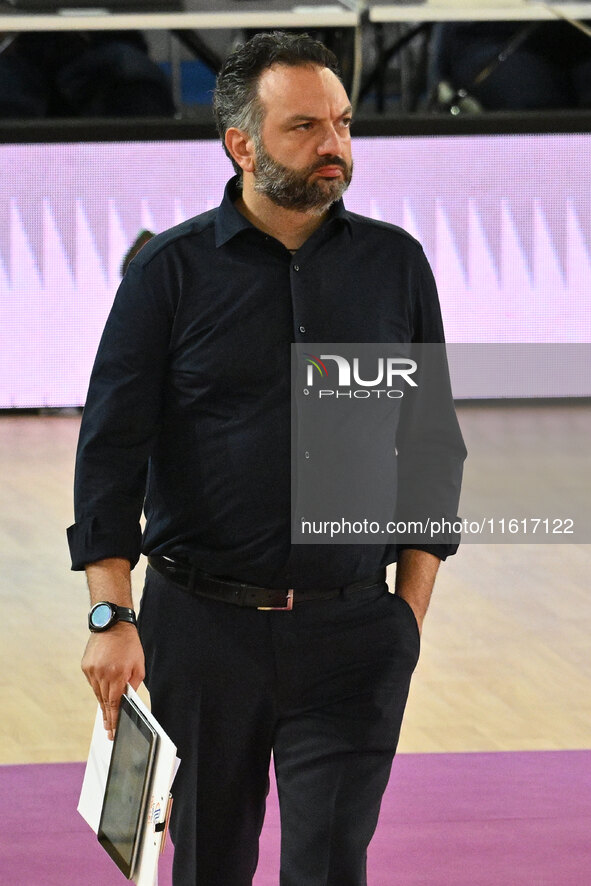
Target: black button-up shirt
(189, 399)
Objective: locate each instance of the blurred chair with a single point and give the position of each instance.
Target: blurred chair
(82, 74)
(510, 66)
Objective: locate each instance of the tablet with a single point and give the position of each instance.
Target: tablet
(128, 785)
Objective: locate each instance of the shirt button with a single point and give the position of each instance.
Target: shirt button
(296, 267)
(302, 328)
(306, 454)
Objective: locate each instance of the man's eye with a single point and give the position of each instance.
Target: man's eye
(347, 121)
(303, 126)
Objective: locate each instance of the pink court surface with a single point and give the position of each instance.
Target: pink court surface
(478, 819)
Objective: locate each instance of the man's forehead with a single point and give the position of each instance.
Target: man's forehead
(302, 85)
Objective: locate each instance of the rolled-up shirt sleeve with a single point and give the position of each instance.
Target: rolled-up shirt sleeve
(120, 421)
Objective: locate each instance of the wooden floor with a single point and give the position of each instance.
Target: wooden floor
(506, 660)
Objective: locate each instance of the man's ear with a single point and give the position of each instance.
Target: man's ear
(241, 148)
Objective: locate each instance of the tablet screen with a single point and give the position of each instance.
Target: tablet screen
(128, 782)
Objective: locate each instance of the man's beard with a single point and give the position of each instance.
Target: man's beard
(293, 188)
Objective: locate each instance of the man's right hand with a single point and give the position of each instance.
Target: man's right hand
(112, 659)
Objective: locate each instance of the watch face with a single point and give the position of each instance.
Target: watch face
(101, 615)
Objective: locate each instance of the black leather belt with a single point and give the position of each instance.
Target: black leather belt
(204, 585)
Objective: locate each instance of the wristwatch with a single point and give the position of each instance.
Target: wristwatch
(104, 615)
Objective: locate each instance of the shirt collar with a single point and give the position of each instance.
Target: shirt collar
(229, 221)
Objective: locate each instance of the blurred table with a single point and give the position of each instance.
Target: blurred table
(459, 10)
(220, 14)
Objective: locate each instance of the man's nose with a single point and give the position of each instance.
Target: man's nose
(330, 142)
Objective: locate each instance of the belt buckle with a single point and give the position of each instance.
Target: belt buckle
(286, 608)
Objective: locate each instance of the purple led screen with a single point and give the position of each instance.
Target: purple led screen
(504, 220)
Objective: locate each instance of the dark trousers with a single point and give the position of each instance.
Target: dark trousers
(323, 687)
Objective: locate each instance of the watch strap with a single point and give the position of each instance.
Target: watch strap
(123, 613)
(117, 613)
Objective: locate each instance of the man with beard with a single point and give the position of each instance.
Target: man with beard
(251, 645)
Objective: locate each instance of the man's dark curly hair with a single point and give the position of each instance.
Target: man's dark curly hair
(235, 98)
